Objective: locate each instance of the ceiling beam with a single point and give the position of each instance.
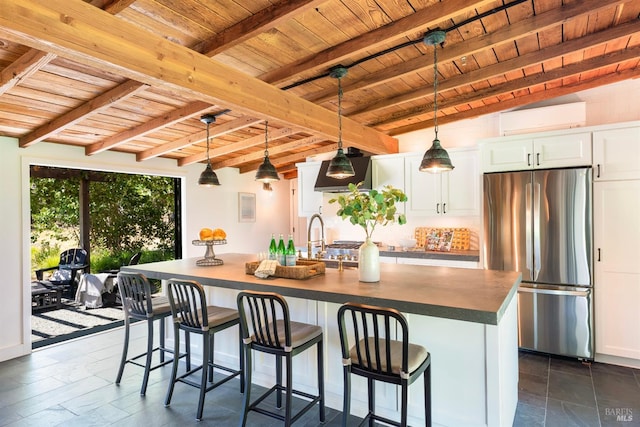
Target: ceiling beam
(525, 100)
(240, 145)
(152, 125)
(273, 151)
(22, 68)
(407, 26)
(509, 33)
(89, 108)
(292, 158)
(524, 83)
(256, 24)
(81, 32)
(116, 6)
(501, 68)
(219, 130)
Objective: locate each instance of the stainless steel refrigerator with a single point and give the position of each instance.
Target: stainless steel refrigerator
(540, 224)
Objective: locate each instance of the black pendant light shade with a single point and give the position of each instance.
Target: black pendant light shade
(340, 166)
(436, 159)
(208, 177)
(267, 172)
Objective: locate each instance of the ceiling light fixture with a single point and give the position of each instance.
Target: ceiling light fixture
(340, 166)
(266, 172)
(436, 159)
(208, 177)
(266, 186)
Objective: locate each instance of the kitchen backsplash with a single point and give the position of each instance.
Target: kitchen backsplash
(339, 229)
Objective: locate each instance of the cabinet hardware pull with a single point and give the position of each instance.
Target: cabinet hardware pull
(538, 158)
(437, 208)
(598, 174)
(444, 208)
(528, 159)
(598, 254)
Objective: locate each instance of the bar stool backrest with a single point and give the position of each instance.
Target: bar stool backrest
(188, 305)
(260, 315)
(373, 329)
(135, 293)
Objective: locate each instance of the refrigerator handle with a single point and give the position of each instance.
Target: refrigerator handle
(528, 231)
(536, 227)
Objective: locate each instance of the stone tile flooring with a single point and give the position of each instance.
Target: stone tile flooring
(71, 384)
(562, 392)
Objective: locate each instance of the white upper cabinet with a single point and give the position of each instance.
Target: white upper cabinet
(512, 154)
(454, 193)
(616, 154)
(309, 200)
(387, 169)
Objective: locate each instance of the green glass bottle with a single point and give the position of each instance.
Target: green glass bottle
(273, 249)
(291, 252)
(281, 251)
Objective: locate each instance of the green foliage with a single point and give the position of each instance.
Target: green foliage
(368, 209)
(128, 213)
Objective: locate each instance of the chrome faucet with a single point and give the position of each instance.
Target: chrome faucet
(309, 241)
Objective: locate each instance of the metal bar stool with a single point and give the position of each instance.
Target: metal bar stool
(139, 304)
(192, 315)
(266, 327)
(377, 357)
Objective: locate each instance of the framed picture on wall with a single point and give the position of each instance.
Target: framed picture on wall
(246, 207)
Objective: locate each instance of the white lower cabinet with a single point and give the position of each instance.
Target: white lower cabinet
(617, 268)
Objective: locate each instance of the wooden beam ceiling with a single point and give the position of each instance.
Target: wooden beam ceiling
(77, 31)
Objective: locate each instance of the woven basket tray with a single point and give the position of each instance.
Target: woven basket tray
(302, 270)
(443, 239)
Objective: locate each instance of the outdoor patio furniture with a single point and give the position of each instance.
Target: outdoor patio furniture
(72, 262)
(45, 295)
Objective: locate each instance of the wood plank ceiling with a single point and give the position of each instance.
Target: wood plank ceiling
(136, 75)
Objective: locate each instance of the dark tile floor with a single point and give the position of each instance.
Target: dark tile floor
(562, 392)
(71, 384)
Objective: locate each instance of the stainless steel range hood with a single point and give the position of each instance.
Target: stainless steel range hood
(362, 168)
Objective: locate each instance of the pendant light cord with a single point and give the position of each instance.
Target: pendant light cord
(208, 159)
(266, 138)
(435, 89)
(339, 113)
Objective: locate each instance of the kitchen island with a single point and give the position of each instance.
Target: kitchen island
(465, 318)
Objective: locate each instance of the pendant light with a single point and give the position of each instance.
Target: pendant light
(436, 159)
(340, 166)
(266, 172)
(208, 177)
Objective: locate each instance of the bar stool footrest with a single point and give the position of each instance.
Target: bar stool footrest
(184, 378)
(254, 406)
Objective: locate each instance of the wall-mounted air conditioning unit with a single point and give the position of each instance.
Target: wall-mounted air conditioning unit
(541, 119)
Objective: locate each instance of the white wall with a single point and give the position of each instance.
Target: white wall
(202, 207)
(614, 103)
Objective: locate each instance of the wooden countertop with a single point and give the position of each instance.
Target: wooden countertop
(471, 295)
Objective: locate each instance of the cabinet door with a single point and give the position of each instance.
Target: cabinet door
(423, 189)
(616, 154)
(309, 200)
(617, 270)
(461, 186)
(512, 155)
(562, 150)
(388, 170)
